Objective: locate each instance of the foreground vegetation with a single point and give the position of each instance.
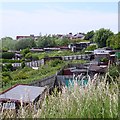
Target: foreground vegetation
(93, 101)
(79, 102)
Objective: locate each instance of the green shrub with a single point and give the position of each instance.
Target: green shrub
(6, 78)
(114, 71)
(8, 55)
(7, 67)
(10, 61)
(25, 51)
(21, 75)
(104, 60)
(91, 47)
(23, 64)
(55, 62)
(35, 57)
(28, 56)
(4, 49)
(5, 74)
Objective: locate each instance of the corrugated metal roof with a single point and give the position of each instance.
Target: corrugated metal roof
(25, 93)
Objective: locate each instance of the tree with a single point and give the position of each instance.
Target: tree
(46, 41)
(89, 36)
(25, 43)
(101, 36)
(7, 43)
(65, 41)
(62, 42)
(114, 41)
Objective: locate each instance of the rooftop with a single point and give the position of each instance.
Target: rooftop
(24, 93)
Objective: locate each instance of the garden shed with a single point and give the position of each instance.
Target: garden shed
(23, 93)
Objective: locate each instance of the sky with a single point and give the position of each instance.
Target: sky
(25, 18)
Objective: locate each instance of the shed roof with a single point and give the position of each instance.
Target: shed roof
(24, 93)
(98, 68)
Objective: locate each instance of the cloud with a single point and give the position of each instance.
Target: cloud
(55, 21)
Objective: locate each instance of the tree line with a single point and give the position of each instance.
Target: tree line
(103, 38)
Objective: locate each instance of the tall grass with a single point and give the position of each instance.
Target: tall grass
(91, 101)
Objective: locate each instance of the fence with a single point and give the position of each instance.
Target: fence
(30, 64)
(48, 81)
(42, 61)
(77, 57)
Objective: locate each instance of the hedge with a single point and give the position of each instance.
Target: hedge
(8, 55)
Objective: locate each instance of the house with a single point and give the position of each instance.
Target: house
(36, 50)
(78, 35)
(51, 49)
(84, 69)
(21, 94)
(59, 36)
(78, 46)
(64, 48)
(31, 36)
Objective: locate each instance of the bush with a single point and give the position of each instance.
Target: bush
(25, 43)
(8, 55)
(10, 61)
(114, 71)
(25, 51)
(91, 47)
(7, 67)
(35, 57)
(55, 62)
(21, 75)
(4, 49)
(104, 60)
(28, 56)
(6, 77)
(23, 64)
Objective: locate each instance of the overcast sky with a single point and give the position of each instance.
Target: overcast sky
(25, 18)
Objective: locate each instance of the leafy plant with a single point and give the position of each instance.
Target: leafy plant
(104, 60)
